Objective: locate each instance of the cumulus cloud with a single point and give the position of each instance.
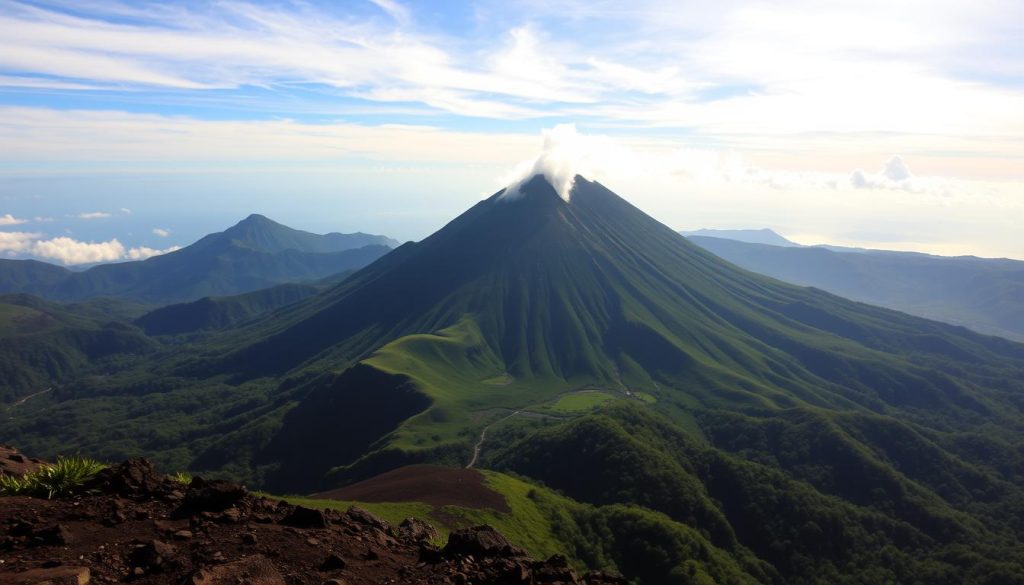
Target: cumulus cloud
(93, 215)
(69, 251)
(14, 242)
(895, 169)
(126, 211)
(8, 219)
(564, 154)
(894, 175)
(163, 233)
(142, 252)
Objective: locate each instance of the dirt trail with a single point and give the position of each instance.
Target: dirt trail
(30, 396)
(483, 436)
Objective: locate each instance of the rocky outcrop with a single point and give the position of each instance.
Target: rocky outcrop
(134, 525)
(14, 463)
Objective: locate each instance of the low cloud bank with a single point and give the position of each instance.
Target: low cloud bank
(69, 251)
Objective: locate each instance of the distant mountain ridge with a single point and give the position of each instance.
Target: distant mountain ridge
(755, 236)
(256, 253)
(984, 294)
(262, 233)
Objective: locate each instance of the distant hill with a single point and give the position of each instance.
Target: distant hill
(761, 236)
(254, 254)
(43, 343)
(986, 295)
(261, 233)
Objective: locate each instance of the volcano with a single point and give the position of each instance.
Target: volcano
(523, 298)
(702, 423)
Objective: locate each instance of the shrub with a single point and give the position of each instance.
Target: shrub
(57, 479)
(182, 477)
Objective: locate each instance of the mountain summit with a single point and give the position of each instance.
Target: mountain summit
(266, 235)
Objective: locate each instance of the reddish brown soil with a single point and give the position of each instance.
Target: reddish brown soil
(14, 463)
(132, 525)
(430, 484)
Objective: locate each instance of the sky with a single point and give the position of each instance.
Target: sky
(130, 128)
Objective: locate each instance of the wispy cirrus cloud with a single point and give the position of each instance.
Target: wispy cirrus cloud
(94, 215)
(765, 105)
(729, 71)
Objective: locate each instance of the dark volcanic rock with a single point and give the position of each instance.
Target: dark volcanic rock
(363, 517)
(154, 555)
(481, 541)
(14, 463)
(302, 517)
(416, 529)
(333, 562)
(134, 477)
(55, 535)
(211, 495)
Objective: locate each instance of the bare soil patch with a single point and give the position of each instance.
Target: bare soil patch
(430, 484)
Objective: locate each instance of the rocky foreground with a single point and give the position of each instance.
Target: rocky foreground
(130, 524)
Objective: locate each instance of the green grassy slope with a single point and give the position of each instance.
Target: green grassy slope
(639, 542)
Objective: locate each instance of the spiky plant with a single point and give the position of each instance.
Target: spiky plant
(182, 477)
(56, 479)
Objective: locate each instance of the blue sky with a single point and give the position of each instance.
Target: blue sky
(882, 124)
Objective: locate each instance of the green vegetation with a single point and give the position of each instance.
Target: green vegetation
(43, 343)
(182, 477)
(214, 313)
(778, 434)
(822, 514)
(52, 480)
(545, 523)
(578, 402)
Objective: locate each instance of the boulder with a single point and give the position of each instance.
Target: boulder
(134, 477)
(482, 542)
(211, 495)
(53, 535)
(155, 555)
(417, 530)
(361, 516)
(301, 517)
(14, 463)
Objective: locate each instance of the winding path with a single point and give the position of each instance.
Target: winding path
(30, 396)
(483, 435)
